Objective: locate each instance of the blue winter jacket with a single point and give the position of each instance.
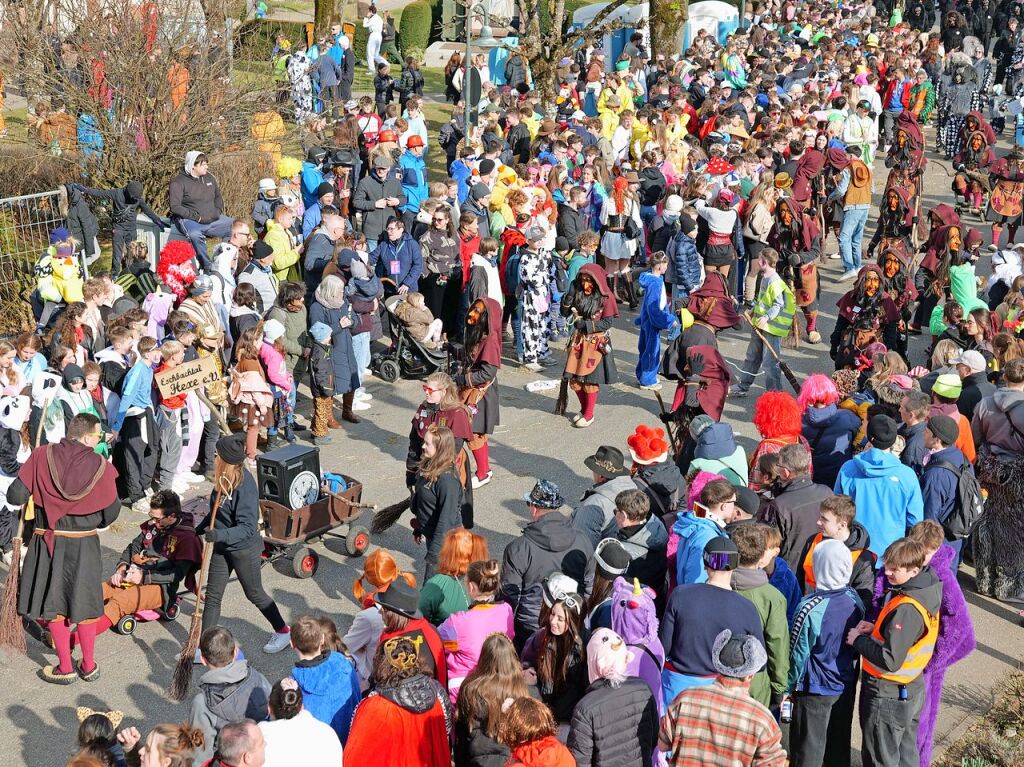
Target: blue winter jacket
(939, 485)
(400, 261)
(820, 661)
(694, 533)
(786, 582)
(830, 433)
(682, 252)
(461, 173)
(414, 181)
(330, 690)
(887, 495)
(311, 178)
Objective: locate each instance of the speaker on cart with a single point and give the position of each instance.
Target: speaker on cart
(289, 475)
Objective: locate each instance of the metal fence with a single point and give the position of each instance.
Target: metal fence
(25, 225)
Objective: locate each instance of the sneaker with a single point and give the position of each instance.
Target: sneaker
(191, 477)
(582, 423)
(278, 641)
(737, 393)
(847, 275)
(536, 367)
(360, 404)
(548, 361)
(651, 387)
(149, 491)
(141, 506)
(180, 486)
(477, 482)
(322, 440)
(361, 393)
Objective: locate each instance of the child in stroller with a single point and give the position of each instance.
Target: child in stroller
(417, 347)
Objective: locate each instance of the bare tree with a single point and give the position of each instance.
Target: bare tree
(667, 17)
(128, 89)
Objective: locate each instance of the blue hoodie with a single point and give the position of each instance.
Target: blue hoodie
(887, 495)
(820, 661)
(311, 178)
(694, 533)
(786, 582)
(330, 690)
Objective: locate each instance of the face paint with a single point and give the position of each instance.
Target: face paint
(588, 286)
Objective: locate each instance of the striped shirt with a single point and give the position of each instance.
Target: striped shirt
(720, 725)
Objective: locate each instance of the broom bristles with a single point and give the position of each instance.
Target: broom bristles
(181, 680)
(387, 516)
(11, 633)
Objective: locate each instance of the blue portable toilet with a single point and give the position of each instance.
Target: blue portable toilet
(633, 19)
(718, 18)
(497, 57)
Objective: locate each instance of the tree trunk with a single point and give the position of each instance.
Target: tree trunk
(667, 18)
(323, 12)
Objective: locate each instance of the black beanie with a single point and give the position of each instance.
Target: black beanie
(882, 432)
(261, 250)
(611, 558)
(231, 449)
(133, 191)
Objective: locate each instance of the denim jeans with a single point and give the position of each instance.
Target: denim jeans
(851, 234)
(361, 348)
(197, 234)
(757, 356)
(678, 296)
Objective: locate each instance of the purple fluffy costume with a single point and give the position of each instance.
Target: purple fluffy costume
(955, 642)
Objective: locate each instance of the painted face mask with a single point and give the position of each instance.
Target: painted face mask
(871, 284)
(954, 239)
(588, 286)
(901, 138)
(891, 266)
(894, 201)
(977, 143)
(786, 216)
(476, 311)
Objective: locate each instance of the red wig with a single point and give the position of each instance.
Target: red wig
(777, 414)
(818, 390)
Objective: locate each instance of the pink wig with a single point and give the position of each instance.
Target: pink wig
(776, 414)
(819, 390)
(697, 483)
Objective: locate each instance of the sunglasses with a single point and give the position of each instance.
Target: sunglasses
(428, 390)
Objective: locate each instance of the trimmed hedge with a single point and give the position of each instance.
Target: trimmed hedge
(415, 27)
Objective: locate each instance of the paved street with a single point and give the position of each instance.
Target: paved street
(39, 720)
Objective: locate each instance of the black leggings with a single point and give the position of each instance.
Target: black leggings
(246, 565)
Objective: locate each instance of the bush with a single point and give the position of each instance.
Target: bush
(28, 169)
(255, 38)
(416, 24)
(238, 174)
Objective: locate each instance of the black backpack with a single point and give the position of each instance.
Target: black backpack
(969, 505)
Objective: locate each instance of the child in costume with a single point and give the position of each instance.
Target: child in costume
(655, 315)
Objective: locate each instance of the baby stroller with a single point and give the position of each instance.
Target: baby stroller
(407, 357)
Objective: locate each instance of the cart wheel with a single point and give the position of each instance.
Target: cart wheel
(305, 562)
(389, 371)
(357, 541)
(126, 625)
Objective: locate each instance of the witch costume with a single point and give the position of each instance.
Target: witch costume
(944, 250)
(478, 382)
(589, 363)
(74, 492)
(895, 225)
(797, 238)
(866, 315)
(898, 285)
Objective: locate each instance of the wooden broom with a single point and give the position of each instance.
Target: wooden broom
(386, 517)
(182, 677)
(12, 635)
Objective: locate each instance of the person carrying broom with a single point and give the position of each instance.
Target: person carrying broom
(74, 493)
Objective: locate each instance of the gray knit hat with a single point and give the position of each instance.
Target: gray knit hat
(739, 656)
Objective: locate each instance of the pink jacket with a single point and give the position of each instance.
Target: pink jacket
(463, 635)
(277, 371)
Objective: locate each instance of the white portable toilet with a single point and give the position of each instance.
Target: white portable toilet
(718, 18)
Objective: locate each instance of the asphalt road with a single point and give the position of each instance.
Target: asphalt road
(39, 719)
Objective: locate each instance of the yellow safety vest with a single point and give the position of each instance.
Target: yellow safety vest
(918, 655)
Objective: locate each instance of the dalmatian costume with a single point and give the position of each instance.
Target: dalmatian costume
(14, 451)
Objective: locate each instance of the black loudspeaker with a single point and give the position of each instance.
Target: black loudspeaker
(289, 475)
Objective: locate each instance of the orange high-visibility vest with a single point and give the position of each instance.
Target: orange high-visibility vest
(921, 651)
(809, 561)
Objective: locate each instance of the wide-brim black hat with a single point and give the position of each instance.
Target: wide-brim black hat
(400, 598)
(607, 461)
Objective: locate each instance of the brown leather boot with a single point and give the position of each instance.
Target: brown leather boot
(346, 408)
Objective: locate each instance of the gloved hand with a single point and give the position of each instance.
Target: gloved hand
(794, 259)
(214, 535)
(668, 418)
(696, 364)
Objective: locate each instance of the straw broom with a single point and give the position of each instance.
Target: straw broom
(11, 633)
(387, 516)
(182, 677)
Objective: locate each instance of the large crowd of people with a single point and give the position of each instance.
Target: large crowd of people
(701, 604)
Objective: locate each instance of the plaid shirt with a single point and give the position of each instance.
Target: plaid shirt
(720, 725)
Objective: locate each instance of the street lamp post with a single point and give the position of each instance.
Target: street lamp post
(486, 40)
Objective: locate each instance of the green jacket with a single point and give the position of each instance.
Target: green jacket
(776, 302)
(771, 606)
(441, 596)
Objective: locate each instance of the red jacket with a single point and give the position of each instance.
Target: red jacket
(546, 752)
(887, 91)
